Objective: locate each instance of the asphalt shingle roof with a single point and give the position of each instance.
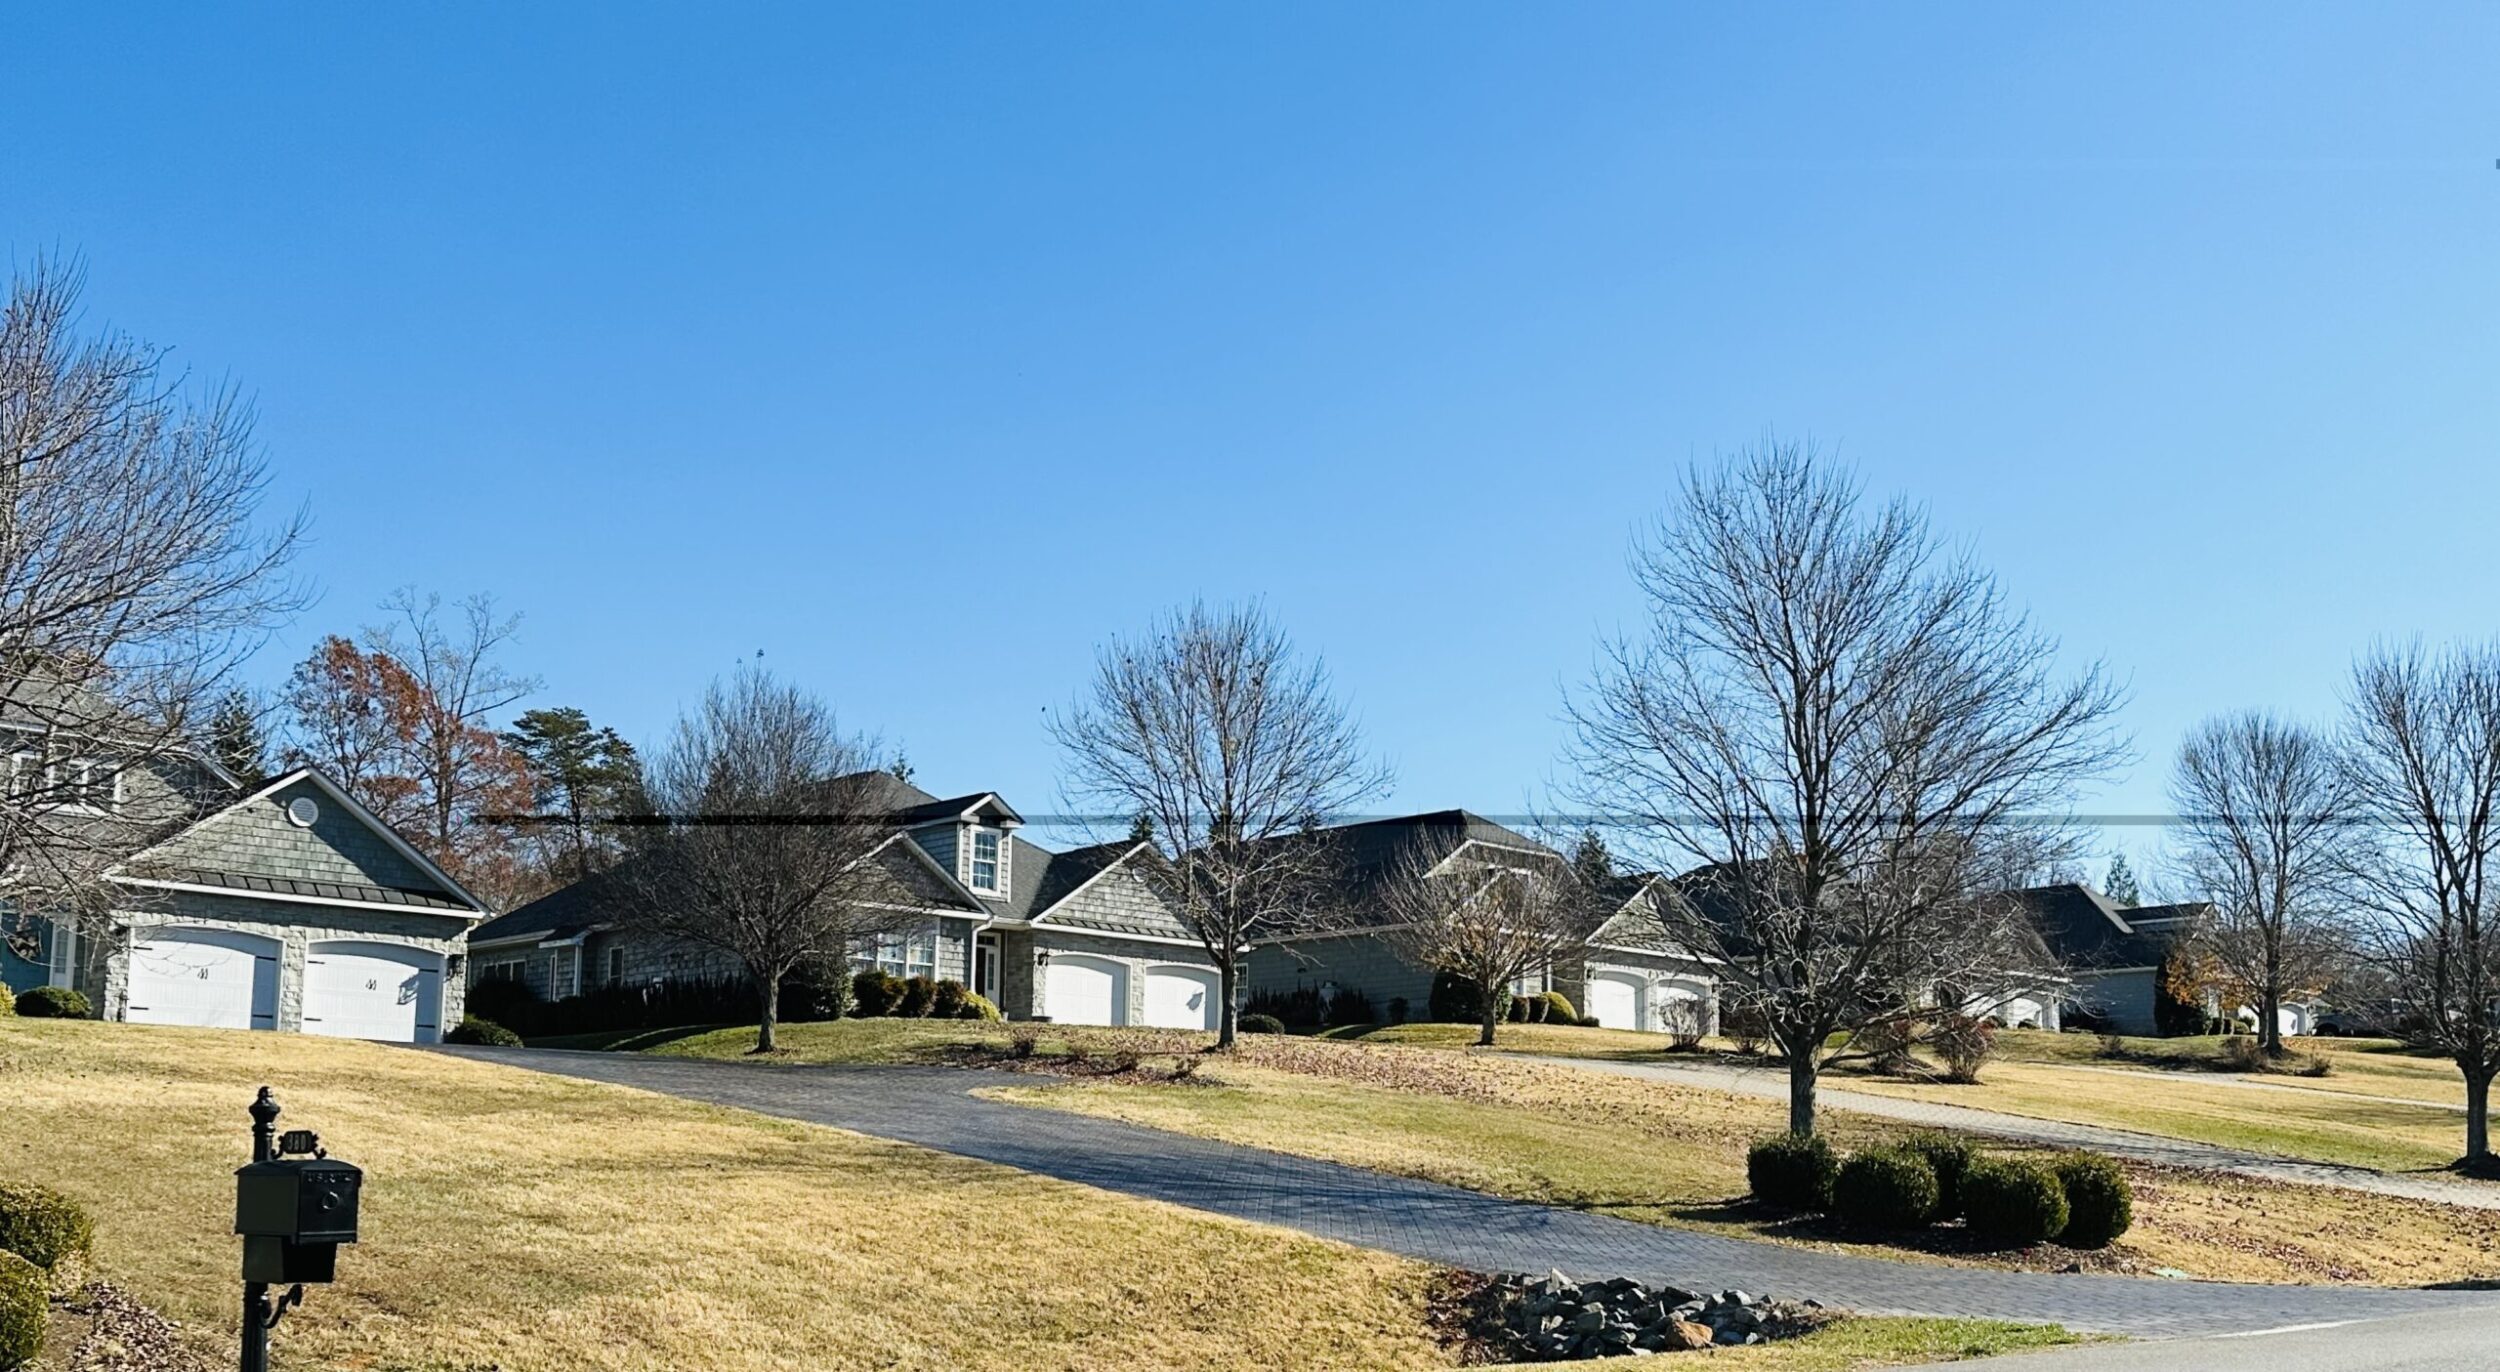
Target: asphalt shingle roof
(250, 884)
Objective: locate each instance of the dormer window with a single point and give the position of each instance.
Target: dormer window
(73, 783)
(985, 860)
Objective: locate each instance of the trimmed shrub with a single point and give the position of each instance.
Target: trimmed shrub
(978, 1006)
(505, 1000)
(1260, 1024)
(1791, 1171)
(1397, 1009)
(1350, 1006)
(471, 1029)
(946, 1000)
(2013, 1201)
(24, 1310)
(1950, 1159)
(919, 993)
(819, 990)
(1525, 1009)
(2100, 1205)
(1457, 1000)
(1559, 1009)
(54, 1002)
(43, 1226)
(8, 1006)
(876, 992)
(1885, 1188)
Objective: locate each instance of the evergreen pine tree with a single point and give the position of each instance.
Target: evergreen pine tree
(235, 739)
(581, 774)
(2120, 884)
(1590, 860)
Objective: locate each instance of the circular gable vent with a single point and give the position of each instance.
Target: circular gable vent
(301, 812)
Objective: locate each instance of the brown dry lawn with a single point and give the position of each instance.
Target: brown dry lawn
(527, 1222)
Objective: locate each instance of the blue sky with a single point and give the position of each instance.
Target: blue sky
(922, 347)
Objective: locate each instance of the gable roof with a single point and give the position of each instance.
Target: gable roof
(2085, 929)
(219, 852)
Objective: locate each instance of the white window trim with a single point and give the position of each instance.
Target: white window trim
(998, 861)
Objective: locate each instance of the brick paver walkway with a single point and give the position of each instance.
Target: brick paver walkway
(2153, 1148)
(931, 1107)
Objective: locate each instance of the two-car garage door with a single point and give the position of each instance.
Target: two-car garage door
(1078, 989)
(226, 979)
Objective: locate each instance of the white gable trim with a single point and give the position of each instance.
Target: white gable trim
(363, 816)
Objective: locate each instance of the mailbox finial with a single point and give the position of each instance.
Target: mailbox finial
(264, 1125)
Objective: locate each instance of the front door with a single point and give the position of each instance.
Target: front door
(985, 967)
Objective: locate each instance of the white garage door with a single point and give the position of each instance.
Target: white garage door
(1614, 1000)
(1182, 998)
(1083, 990)
(209, 978)
(373, 991)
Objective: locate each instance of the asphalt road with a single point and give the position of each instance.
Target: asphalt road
(2453, 1341)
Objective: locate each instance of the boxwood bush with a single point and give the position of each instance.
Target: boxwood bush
(471, 1029)
(54, 1002)
(1792, 1171)
(946, 1000)
(43, 1226)
(875, 992)
(1260, 1024)
(978, 1006)
(1949, 1158)
(2100, 1205)
(919, 993)
(2013, 1201)
(23, 1310)
(1885, 1188)
(1559, 1009)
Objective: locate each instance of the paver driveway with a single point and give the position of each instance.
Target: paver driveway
(930, 1107)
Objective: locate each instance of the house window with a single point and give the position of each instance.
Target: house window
(25, 776)
(905, 955)
(616, 965)
(564, 974)
(985, 859)
(508, 969)
(88, 782)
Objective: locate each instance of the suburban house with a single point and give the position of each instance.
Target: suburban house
(1078, 937)
(1624, 973)
(2112, 954)
(289, 907)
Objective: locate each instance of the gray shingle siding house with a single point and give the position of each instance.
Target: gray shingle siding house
(2113, 954)
(1625, 965)
(290, 908)
(1080, 937)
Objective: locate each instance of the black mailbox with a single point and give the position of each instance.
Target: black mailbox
(293, 1213)
(301, 1200)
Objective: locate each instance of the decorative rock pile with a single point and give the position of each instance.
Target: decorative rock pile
(1553, 1318)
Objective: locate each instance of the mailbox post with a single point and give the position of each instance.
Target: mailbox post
(294, 1205)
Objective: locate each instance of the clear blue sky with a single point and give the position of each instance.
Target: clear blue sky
(920, 347)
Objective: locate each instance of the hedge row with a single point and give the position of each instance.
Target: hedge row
(2082, 1200)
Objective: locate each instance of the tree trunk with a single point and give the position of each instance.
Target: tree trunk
(1228, 1017)
(1492, 1017)
(1802, 1075)
(2270, 1022)
(2477, 1117)
(772, 1015)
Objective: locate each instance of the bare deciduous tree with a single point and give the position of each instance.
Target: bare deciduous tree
(133, 579)
(766, 839)
(2424, 744)
(1233, 753)
(1849, 727)
(2265, 837)
(1489, 922)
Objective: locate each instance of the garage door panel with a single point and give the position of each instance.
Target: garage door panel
(1084, 990)
(373, 991)
(1614, 1001)
(203, 978)
(1182, 998)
